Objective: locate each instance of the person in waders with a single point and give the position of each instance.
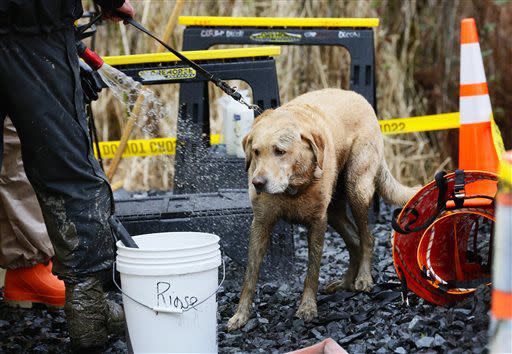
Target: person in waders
(41, 92)
(25, 248)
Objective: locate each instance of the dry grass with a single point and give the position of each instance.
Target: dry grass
(411, 37)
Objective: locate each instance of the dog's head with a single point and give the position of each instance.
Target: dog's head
(281, 155)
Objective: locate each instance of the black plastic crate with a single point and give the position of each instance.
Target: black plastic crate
(226, 213)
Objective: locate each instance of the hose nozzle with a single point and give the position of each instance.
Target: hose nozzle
(91, 58)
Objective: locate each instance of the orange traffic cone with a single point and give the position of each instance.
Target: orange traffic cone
(480, 143)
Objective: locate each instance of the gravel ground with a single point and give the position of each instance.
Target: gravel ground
(377, 322)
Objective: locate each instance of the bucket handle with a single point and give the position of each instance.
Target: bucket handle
(158, 309)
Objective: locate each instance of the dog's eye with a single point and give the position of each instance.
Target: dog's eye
(256, 152)
(279, 152)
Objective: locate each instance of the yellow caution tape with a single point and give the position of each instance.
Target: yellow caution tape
(141, 147)
(496, 138)
(215, 139)
(167, 146)
(420, 123)
(506, 169)
(506, 173)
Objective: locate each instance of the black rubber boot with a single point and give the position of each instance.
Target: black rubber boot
(116, 321)
(90, 316)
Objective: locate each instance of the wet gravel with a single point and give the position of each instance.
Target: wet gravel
(376, 322)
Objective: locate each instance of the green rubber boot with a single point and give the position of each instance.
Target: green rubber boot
(90, 316)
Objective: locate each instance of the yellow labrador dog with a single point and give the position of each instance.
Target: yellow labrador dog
(306, 161)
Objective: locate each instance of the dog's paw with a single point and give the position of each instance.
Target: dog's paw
(238, 320)
(337, 285)
(364, 282)
(307, 310)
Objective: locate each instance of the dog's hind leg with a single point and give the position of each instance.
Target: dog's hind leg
(307, 309)
(360, 186)
(339, 220)
(258, 244)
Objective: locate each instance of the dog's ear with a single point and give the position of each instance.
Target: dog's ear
(247, 145)
(317, 144)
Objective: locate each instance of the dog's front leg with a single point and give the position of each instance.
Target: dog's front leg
(258, 244)
(307, 308)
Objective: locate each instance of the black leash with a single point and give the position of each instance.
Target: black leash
(231, 91)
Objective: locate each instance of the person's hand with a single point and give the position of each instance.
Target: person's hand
(127, 10)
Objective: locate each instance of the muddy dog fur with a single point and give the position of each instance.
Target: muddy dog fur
(308, 161)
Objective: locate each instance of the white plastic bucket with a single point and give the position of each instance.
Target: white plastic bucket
(169, 285)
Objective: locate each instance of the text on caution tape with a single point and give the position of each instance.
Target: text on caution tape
(167, 146)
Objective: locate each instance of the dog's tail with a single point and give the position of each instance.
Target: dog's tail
(390, 189)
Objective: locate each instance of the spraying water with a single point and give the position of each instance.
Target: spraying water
(150, 116)
(152, 112)
(128, 91)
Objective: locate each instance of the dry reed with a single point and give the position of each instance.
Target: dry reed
(408, 31)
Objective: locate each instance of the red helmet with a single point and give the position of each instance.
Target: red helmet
(441, 233)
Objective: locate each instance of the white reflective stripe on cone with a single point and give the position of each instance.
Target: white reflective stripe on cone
(475, 109)
(502, 273)
(471, 64)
